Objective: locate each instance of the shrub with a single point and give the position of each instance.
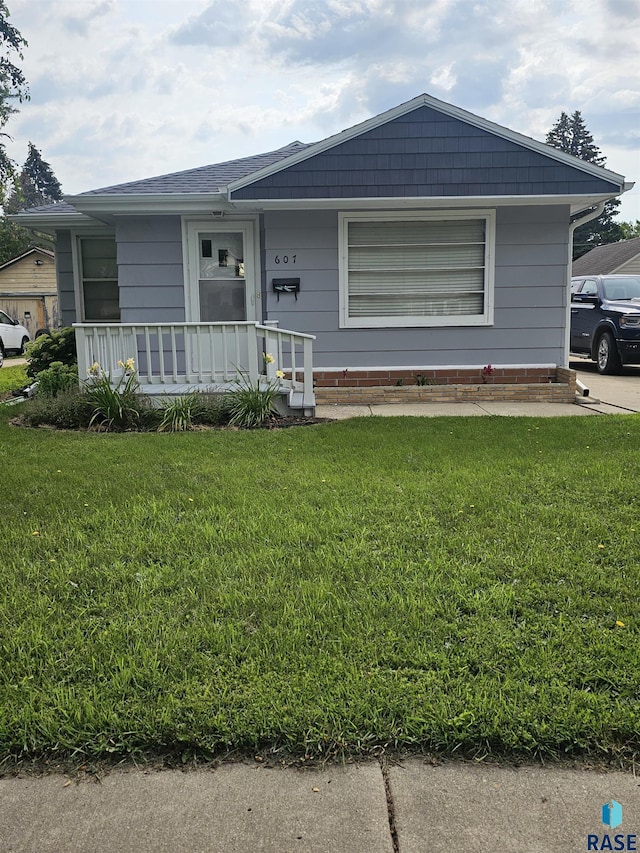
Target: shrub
(178, 413)
(212, 410)
(58, 345)
(250, 405)
(67, 410)
(57, 378)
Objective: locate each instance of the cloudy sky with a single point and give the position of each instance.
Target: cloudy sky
(125, 89)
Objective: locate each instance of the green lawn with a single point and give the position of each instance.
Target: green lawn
(12, 377)
(466, 584)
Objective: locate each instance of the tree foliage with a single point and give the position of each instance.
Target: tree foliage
(13, 86)
(570, 134)
(630, 229)
(15, 240)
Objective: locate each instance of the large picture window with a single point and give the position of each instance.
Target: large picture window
(416, 269)
(99, 279)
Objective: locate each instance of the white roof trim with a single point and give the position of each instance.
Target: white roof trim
(440, 106)
(113, 203)
(49, 221)
(577, 203)
(206, 204)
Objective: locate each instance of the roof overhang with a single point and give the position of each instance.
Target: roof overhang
(49, 223)
(576, 203)
(160, 203)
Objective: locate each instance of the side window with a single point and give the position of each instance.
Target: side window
(4, 318)
(590, 287)
(99, 276)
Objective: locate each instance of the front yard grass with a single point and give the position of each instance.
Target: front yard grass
(12, 377)
(465, 585)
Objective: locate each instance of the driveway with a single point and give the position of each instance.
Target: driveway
(621, 393)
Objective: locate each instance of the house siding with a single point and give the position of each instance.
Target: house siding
(27, 276)
(631, 267)
(64, 276)
(424, 153)
(529, 297)
(150, 269)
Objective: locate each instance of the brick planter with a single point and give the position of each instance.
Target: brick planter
(556, 385)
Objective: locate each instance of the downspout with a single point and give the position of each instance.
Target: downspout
(595, 213)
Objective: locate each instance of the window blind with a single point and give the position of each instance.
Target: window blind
(416, 268)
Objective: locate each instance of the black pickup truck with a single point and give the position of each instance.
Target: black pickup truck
(605, 320)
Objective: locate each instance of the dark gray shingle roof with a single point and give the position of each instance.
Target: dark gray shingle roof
(57, 207)
(605, 259)
(205, 179)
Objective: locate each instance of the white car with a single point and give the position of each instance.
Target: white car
(13, 336)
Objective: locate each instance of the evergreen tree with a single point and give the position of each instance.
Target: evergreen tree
(570, 134)
(13, 87)
(36, 184)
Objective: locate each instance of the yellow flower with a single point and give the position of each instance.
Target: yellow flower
(268, 358)
(129, 365)
(95, 369)
(601, 545)
(280, 374)
(619, 623)
(36, 533)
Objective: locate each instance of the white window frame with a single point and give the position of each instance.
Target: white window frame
(411, 321)
(76, 237)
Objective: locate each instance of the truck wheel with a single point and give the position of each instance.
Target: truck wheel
(608, 358)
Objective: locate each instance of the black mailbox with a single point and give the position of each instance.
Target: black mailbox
(286, 285)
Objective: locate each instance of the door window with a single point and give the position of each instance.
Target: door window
(222, 273)
(221, 280)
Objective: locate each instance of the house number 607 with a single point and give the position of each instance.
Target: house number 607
(285, 259)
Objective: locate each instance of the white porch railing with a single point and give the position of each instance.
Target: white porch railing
(200, 355)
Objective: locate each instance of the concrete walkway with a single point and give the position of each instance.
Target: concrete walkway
(410, 807)
(433, 410)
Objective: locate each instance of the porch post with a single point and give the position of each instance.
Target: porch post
(82, 347)
(308, 399)
(252, 347)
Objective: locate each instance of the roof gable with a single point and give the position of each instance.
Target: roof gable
(426, 148)
(47, 253)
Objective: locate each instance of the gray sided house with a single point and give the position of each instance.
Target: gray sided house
(424, 240)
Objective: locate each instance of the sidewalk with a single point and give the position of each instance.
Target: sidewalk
(411, 807)
(532, 410)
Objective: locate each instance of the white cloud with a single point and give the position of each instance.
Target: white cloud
(123, 89)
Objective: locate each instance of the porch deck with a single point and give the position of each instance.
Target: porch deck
(179, 358)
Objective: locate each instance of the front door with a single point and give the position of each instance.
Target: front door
(222, 287)
(222, 275)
